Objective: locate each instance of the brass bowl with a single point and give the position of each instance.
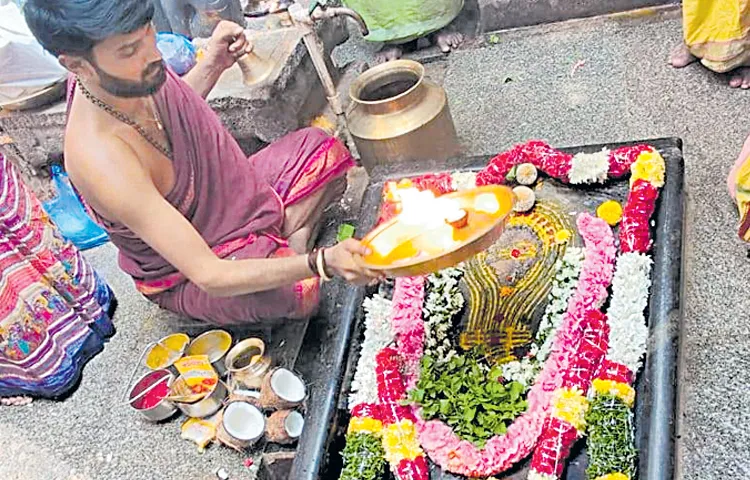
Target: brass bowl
(408, 256)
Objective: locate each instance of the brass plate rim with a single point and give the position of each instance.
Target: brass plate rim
(480, 241)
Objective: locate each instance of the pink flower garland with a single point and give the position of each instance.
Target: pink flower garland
(590, 294)
(451, 453)
(408, 299)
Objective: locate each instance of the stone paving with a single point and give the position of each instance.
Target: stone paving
(522, 87)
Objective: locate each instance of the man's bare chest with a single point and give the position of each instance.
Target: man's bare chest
(160, 167)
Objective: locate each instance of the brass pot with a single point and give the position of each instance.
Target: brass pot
(397, 115)
(247, 363)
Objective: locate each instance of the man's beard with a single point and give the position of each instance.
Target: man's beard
(154, 77)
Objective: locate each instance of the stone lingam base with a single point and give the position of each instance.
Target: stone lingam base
(289, 97)
(331, 347)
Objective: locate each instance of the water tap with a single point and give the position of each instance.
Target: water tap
(319, 11)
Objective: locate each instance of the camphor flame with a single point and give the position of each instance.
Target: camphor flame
(421, 211)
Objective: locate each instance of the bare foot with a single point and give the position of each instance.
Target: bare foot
(681, 57)
(740, 78)
(387, 54)
(448, 41)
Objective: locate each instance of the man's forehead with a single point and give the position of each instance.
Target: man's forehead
(125, 40)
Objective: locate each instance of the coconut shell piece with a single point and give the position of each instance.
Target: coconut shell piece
(282, 390)
(228, 440)
(526, 174)
(525, 199)
(284, 427)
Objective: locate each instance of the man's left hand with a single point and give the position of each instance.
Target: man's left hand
(227, 44)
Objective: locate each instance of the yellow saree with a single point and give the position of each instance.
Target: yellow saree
(718, 32)
(743, 199)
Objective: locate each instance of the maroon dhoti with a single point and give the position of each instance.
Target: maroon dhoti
(236, 204)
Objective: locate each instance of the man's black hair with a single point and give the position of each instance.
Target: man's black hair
(74, 27)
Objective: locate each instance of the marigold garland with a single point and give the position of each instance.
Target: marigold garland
(365, 425)
(623, 391)
(400, 442)
(613, 476)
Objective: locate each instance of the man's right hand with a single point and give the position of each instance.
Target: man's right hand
(340, 259)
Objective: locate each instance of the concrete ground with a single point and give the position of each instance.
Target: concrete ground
(522, 87)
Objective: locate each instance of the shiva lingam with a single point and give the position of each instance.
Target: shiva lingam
(432, 233)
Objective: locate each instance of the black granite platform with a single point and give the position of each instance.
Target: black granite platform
(331, 345)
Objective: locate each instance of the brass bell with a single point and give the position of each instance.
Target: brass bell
(254, 68)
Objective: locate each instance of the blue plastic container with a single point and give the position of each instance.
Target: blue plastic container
(177, 51)
(70, 216)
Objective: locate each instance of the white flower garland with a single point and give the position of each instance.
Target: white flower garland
(630, 289)
(442, 303)
(589, 167)
(526, 370)
(563, 287)
(378, 334)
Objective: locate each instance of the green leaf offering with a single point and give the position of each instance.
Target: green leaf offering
(611, 443)
(364, 458)
(469, 396)
(346, 231)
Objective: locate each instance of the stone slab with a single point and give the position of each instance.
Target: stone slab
(655, 409)
(292, 92)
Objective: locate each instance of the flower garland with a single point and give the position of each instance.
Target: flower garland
(378, 335)
(557, 404)
(586, 168)
(582, 347)
(451, 453)
(363, 455)
(611, 445)
(400, 441)
(407, 324)
(558, 165)
(568, 269)
(442, 303)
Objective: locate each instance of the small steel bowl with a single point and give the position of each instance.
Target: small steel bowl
(172, 347)
(215, 344)
(162, 410)
(209, 405)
